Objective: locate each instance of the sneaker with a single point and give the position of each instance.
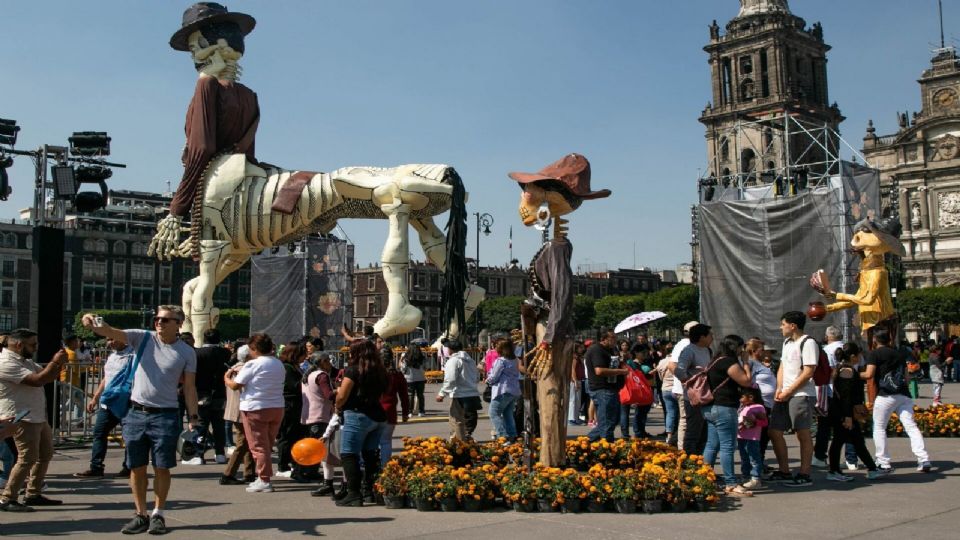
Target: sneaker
(259, 486)
(124, 473)
(924, 466)
(420, 415)
(778, 476)
(221, 459)
(874, 474)
(157, 525)
(137, 525)
(819, 463)
(14, 506)
(753, 483)
(885, 470)
(284, 474)
(89, 473)
(250, 479)
(40, 500)
(738, 491)
(839, 477)
(799, 480)
(230, 481)
(851, 466)
(195, 461)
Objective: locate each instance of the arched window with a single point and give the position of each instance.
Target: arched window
(724, 149)
(89, 245)
(10, 240)
(119, 247)
(101, 246)
(138, 249)
(746, 90)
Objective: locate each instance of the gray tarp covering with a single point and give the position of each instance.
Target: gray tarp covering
(307, 292)
(756, 256)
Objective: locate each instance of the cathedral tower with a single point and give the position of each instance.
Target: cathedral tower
(766, 67)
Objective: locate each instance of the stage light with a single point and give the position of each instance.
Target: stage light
(5, 190)
(90, 143)
(8, 132)
(89, 201)
(64, 181)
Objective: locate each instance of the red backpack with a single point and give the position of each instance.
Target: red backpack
(823, 374)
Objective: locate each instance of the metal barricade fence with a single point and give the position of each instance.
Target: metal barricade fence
(77, 384)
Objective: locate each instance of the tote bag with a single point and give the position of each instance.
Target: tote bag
(116, 396)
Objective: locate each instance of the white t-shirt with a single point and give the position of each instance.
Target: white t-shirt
(674, 356)
(791, 364)
(262, 380)
(161, 366)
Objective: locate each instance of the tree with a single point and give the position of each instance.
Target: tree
(583, 312)
(681, 304)
(610, 310)
(930, 307)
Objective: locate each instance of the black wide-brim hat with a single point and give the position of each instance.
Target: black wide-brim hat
(203, 13)
(888, 230)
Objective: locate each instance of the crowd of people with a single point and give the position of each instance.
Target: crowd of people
(720, 398)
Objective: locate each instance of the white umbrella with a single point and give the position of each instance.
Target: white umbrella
(638, 319)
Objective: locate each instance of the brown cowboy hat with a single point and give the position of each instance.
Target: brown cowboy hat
(203, 13)
(572, 170)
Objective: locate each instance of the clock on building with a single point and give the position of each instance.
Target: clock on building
(945, 98)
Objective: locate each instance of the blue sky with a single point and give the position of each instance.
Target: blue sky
(486, 86)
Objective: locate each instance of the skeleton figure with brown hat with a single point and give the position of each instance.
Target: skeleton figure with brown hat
(556, 190)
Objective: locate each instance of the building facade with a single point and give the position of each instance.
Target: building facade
(920, 175)
(106, 264)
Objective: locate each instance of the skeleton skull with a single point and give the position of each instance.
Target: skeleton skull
(212, 60)
(534, 196)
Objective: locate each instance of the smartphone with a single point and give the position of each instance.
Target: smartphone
(21, 415)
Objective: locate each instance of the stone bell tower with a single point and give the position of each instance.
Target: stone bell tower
(766, 66)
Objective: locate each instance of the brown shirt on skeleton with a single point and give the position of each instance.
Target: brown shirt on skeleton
(220, 113)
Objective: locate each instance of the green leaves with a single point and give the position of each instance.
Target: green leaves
(930, 307)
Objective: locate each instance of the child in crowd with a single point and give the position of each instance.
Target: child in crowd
(937, 368)
(845, 405)
(752, 418)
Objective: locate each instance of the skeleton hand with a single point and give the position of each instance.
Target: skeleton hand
(166, 243)
(542, 363)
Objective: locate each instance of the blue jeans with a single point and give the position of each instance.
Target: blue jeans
(722, 437)
(359, 433)
(671, 411)
(151, 437)
(751, 464)
(639, 420)
(6, 458)
(608, 414)
(102, 427)
(386, 443)
(501, 415)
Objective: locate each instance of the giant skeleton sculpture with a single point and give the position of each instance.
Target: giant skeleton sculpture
(239, 207)
(547, 314)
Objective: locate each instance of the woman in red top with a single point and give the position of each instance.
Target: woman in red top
(396, 391)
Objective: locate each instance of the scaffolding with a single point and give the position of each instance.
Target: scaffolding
(780, 154)
(759, 233)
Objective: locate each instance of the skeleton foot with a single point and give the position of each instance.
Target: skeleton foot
(401, 318)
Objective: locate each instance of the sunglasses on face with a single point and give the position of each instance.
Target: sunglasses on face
(164, 320)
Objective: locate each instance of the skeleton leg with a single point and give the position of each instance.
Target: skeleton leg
(400, 317)
(434, 244)
(217, 260)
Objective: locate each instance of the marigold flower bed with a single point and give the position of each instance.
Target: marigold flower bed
(937, 421)
(473, 476)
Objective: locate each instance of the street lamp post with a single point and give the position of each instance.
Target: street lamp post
(485, 221)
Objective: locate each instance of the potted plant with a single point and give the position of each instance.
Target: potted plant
(597, 487)
(544, 482)
(623, 490)
(651, 483)
(421, 487)
(392, 485)
(570, 491)
(516, 483)
(445, 489)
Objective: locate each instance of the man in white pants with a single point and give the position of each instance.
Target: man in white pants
(888, 367)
